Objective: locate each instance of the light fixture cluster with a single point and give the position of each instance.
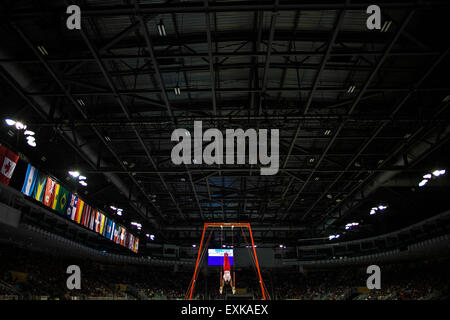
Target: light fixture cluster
(386, 26)
(137, 225)
(151, 237)
(161, 29)
(29, 135)
(375, 210)
(351, 225)
(117, 210)
(282, 246)
(77, 175)
(333, 236)
(429, 176)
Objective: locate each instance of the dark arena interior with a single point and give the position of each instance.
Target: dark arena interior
(224, 150)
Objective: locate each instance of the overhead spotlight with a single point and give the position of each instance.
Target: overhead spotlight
(31, 143)
(351, 89)
(29, 133)
(81, 102)
(316, 178)
(20, 126)
(177, 90)
(372, 211)
(83, 183)
(438, 173)
(161, 29)
(114, 208)
(423, 182)
(10, 122)
(119, 212)
(311, 160)
(428, 176)
(42, 50)
(31, 139)
(74, 174)
(107, 138)
(386, 26)
(82, 178)
(327, 132)
(152, 237)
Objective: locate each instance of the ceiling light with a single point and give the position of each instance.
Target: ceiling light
(82, 178)
(437, 173)
(20, 125)
(423, 182)
(351, 89)
(10, 122)
(161, 29)
(29, 133)
(112, 207)
(32, 143)
(327, 132)
(311, 160)
(428, 176)
(83, 183)
(31, 139)
(43, 50)
(381, 207)
(177, 90)
(386, 26)
(74, 174)
(107, 138)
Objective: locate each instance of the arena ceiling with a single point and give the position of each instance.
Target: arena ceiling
(363, 114)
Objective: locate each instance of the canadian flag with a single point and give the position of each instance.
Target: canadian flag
(8, 161)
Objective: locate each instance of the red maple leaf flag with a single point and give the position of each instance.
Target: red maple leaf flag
(8, 161)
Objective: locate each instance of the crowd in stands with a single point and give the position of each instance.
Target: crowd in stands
(43, 275)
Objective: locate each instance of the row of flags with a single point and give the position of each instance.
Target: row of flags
(8, 161)
(44, 189)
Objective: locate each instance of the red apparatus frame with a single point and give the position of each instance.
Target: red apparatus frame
(226, 225)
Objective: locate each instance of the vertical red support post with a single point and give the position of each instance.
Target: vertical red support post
(196, 264)
(257, 264)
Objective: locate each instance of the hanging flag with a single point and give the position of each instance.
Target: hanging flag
(56, 196)
(102, 224)
(117, 234)
(8, 161)
(30, 180)
(39, 189)
(105, 226)
(63, 199)
(92, 219)
(98, 218)
(72, 207)
(122, 236)
(49, 192)
(79, 211)
(113, 227)
(86, 215)
(136, 245)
